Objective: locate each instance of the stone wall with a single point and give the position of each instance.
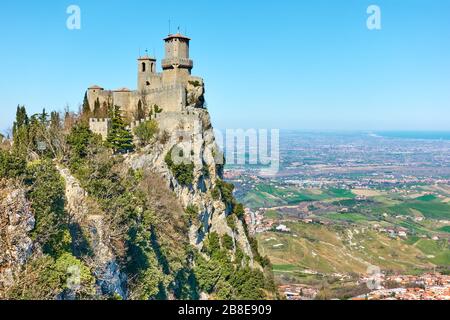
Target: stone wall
(100, 126)
(171, 98)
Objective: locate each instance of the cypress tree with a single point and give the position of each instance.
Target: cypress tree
(97, 111)
(43, 118)
(21, 130)
(86, 109)
(140, 113)
(119, 138)
(104, 111)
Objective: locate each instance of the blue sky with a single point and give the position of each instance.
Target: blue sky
(309, 65)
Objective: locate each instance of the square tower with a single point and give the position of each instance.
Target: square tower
(177, 53)
(146, 72)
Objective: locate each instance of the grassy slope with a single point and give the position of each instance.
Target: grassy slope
(328, 249)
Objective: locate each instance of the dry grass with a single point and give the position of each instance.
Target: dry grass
(366, 193)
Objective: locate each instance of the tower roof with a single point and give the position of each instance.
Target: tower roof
(176, 36)
(146, 57)
(95, 87)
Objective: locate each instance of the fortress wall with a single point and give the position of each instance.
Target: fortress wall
(170, 99)
(123, 100)
(177, 121)
(102, 95)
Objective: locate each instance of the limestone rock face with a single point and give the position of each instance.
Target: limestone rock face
(195, 93)
(195, 135)
(110, 280)
(16, 221)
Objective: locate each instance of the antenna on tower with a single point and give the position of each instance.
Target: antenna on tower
(169, 26)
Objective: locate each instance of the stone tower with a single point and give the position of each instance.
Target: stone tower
(146, 73)
(176, 65)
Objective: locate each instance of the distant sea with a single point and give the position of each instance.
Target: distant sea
(422, 135)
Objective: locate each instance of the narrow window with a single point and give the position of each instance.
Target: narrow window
(143, 66)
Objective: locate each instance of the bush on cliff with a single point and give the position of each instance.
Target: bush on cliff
(181, 168)
(146, 131)
(11, 165)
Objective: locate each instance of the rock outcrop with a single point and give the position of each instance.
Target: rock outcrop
(16, 221)
(194, 134)
(87, 215)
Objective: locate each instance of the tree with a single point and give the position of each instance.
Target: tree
(46, 136)
(43, 118)
(182, 169)
(104, 110)
(21, 130)
(79, 139)
(97, 111)
(119, 138)
(157, 109)
(11, 166)
(146, 131)
(140, 113)
(86, 112)
(47, 197)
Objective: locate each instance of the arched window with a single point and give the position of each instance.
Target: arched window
(143, 66)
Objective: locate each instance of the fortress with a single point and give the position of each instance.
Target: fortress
(172, 90)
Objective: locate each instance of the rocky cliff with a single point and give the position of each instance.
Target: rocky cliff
(16, 221)
(156, 223)
(194, 137)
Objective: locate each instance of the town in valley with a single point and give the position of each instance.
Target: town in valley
(344, 204)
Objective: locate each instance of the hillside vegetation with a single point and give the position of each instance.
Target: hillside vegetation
(95, 227)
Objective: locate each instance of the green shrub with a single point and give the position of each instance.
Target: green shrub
(11, 166)
(119, 138)
(223, 190)
(213, 243)
(47, 190)
(227, 242)
(146, 131)
(231, 221)
(195, 83)
(239, 211)
(192, 212)
(184, 173)
(45, 278)
(215, 193)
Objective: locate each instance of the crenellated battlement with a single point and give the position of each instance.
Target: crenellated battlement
(136, 123)
(99, 120)
(100, 126)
